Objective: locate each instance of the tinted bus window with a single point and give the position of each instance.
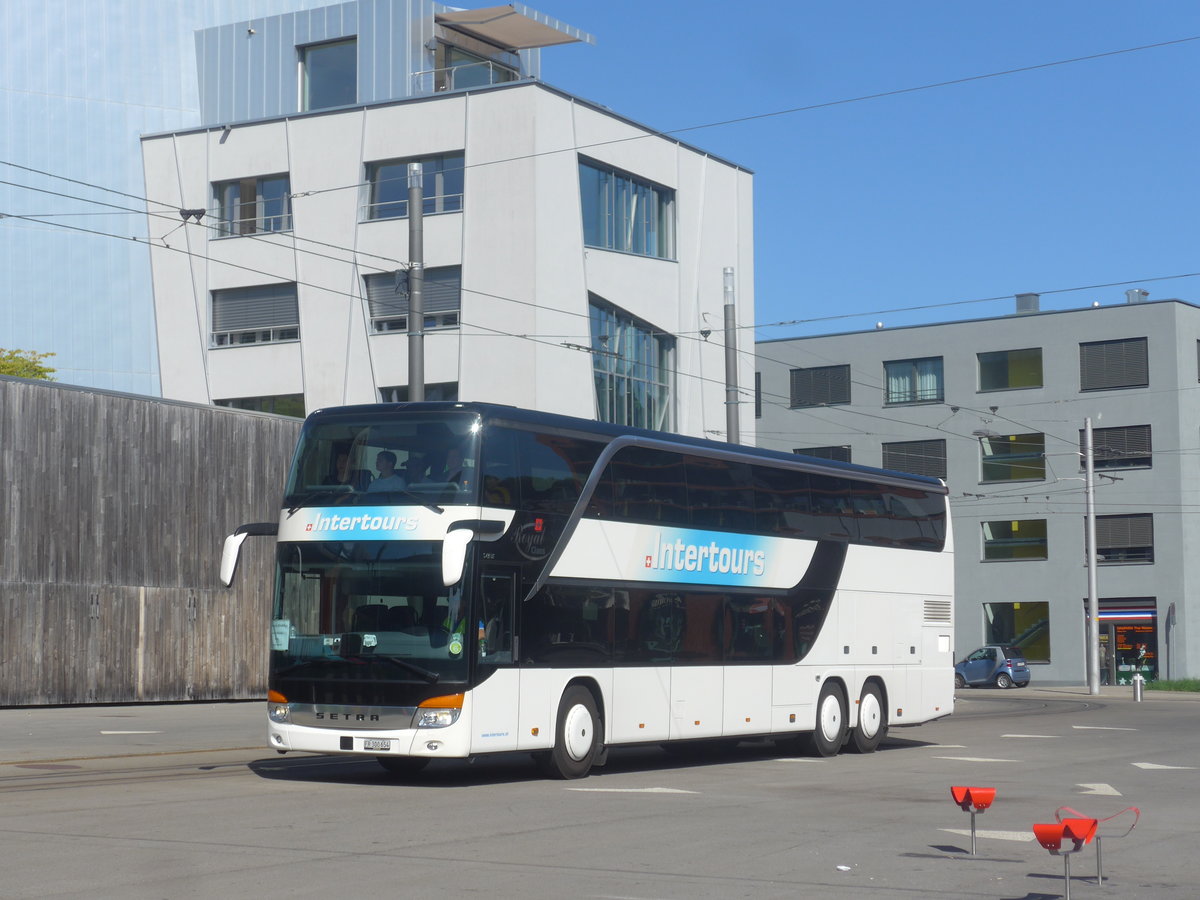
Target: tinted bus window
(720, 494)
(649, 486)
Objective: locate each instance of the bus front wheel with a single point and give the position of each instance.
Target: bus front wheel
(576, 737)
(830, 731)
(872, 721)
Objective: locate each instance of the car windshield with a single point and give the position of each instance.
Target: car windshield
(375, 612)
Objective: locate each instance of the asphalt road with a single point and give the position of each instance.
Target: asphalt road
(182, 802)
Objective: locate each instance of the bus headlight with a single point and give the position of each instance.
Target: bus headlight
(279, 710)
(438, 712)
(436, 718)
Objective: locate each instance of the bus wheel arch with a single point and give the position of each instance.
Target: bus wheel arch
(578, 733)
(829, 729)
(872, 724)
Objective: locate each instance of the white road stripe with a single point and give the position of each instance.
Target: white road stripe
(1029, 735)
(1022, 836)
(1101, 728)
(654, 790)
(131, 732)
(1104, 790)
(1157, 766)
(941, 747)
(975, 759)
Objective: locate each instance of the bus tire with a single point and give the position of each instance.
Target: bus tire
(577, 737)
(829, 732)
(872, 720)
(403, 765)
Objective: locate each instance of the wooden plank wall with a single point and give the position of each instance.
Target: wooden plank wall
(113, 510)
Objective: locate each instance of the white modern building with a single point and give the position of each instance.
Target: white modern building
(571, 257)
(79, 84)
(998, 407)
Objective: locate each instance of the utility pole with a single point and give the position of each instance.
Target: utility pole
(732, 429)
(1093, 604)
(416, 284)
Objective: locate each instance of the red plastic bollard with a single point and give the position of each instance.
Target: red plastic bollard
(973, 800)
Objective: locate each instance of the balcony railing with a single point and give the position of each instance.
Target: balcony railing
(461, 77)
(251, 225)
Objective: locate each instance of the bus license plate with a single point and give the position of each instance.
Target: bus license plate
(376, 744)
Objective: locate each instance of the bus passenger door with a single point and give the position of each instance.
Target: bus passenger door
(494, 701)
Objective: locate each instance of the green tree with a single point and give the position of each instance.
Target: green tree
(25, 364)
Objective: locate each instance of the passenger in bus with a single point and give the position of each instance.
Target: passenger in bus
(388, 479)
(357, 479)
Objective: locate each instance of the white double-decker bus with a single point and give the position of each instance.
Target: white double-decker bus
(458, 579)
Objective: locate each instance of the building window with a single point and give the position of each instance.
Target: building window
(253, 205)
(632, 368)
(255, 315)
(820, 386)
(1021, 623)
(916, 457)
(1006, 370)
(758, 395)
(1120, 448)
(1013, 457)
(914, 380)
(840, 454)
(457, 69)
(441, 298)
(399, 394)
(281, 404)
(1125, 539)
(1104, 365)
(441, 186)
(1014, 539)
(329, 74)
(621, 212)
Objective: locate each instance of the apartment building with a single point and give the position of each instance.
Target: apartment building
(997, 407)
(570, 255)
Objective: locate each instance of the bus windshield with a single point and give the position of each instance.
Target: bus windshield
(372, 612)
(383, 459)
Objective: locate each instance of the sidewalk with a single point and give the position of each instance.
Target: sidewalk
(1107, 692)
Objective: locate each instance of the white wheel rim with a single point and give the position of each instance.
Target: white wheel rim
(577, 732)
(831, 718)
(869, 715)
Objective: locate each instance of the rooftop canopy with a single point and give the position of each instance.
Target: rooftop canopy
(513, 27)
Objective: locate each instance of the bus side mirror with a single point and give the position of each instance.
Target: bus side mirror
(232, 551)
(454, 555)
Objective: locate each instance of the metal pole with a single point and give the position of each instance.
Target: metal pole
(416, 283)
(972, 832)
(732, 430)
(1067, 876)
(1093, 607)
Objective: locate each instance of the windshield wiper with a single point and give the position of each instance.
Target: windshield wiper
(430, 676)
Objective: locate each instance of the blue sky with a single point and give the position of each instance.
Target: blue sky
(1061, 177)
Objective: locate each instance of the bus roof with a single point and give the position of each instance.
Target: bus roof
(603, 430)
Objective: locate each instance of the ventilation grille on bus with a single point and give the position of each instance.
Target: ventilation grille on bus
(938, 612)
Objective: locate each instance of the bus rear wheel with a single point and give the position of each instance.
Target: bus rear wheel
(872, 721)
(830, 731)
(576, 736)
(403, 765)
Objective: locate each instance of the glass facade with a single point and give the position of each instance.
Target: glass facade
(622, 212)
(632, 367)
(69, 110)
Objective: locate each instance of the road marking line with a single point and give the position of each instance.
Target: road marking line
(1104, 790)
(941, 747)
(796, 759)
(1029, 735)
(131, 732)
(1022, 836)
(974, 759)
(1157, 766)
(1101, 728)
(654, 790)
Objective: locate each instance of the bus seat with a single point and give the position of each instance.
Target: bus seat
(369, 617)
(398, 618)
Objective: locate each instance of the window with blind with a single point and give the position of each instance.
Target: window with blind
(914, 380)
(1122, 540)
(916, 457)
(1120, 448)
(1014, 539)
(1013, 457)
(441, 299)
(441, 186)
(820, 386)
(263, 314)
(840, 454)
(1105, 365)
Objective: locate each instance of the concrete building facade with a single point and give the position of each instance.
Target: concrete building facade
(571, 256)
(997, 407)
